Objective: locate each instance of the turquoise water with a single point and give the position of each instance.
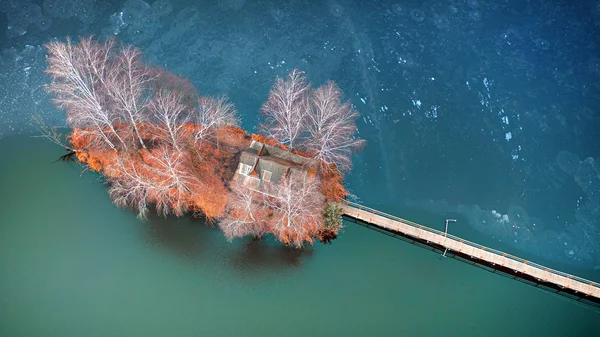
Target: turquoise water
(73, 265)
(483, 111)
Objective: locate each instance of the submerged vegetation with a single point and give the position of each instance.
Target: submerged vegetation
(161, 145)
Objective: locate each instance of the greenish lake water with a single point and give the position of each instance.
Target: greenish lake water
(71, 264)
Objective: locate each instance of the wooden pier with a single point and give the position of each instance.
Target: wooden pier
(579, 289)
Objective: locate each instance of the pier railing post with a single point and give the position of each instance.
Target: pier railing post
(446, 236)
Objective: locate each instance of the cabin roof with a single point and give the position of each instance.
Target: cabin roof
(261, 164)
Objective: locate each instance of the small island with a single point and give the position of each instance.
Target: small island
(163, 146)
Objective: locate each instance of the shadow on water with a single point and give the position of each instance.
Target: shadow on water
(257, 255)
(187, 237)
(193, 239)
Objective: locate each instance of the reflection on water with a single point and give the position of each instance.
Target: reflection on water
(74, 265)
(192, 239)
(257, 256)
(186, 237)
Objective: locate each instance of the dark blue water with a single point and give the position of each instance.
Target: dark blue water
(485, 111)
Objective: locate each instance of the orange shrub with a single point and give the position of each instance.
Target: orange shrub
(268, 141)
(79, 139)
(301, 153)
(212, 200)
(331, 185)
(233, 137)
(211, 163)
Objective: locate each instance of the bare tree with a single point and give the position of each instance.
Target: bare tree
(173, 181)
(161, 179)
(170, 116)
(50, 133)
(332, 128)
(97, 57)
(286, 108)
(245, 213)
(77, 80)
(130, 186)
(213, 113)
(297, 207)
(127, 85)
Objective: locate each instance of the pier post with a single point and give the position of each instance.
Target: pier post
(446, 235)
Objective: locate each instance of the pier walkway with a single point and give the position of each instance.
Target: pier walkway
(579, 289)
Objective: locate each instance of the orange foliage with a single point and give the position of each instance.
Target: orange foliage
(268, 141)
(301, 153)
(151, 165)
(332, 185)
(209, 166)
(297, 237)
(326, 235)
(208, 163)
(96, 159)
(212, 199)
(203, 161)
(79, 139)
(233, 137)
(293, 238)
(274, 143)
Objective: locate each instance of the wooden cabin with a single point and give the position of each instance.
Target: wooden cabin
(261, 165)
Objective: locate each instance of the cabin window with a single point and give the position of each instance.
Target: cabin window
(266, 175)
(245, 169)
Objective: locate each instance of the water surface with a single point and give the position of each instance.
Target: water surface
(484, 111)
(73, 265)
